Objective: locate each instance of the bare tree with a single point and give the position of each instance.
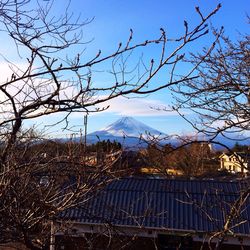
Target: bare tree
(220, 99)
(220, 96)
(50, 79)
(189, 157)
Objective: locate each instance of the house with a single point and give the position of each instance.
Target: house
(236, 162)
(168, 171)
(145, 213)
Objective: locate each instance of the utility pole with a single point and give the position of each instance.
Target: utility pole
(52, 236)
(85, 133)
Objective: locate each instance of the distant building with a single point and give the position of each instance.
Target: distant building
(168, 171)
(236, 162)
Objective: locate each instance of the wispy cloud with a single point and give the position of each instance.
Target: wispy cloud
(136, 107)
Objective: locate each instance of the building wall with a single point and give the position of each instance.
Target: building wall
(231, 163)
(164, 242)
(102, 242)
(106, 237)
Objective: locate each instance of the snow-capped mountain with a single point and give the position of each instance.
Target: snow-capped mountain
(128, 126)
(133, 134)
(126, 130)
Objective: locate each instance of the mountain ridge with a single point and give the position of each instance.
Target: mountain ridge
(129, 131)
(127, 126)
(134, 134)
(126, 130)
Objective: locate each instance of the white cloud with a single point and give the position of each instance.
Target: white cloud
(26, 91)
(39, 87)
(136, 107)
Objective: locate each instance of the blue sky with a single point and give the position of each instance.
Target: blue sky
(112, 20)
(111, 24)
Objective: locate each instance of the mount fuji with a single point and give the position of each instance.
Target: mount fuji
(126, 130)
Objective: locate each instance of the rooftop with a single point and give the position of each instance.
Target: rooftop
(169, 204)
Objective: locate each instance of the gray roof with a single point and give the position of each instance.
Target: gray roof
(171, 204)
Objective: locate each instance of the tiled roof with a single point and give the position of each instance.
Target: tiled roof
(171, 204)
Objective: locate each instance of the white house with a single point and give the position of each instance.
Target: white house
(236, 162)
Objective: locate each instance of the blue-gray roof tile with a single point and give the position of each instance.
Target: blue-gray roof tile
(173, 204)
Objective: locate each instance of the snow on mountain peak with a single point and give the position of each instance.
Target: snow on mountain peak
(128, 126)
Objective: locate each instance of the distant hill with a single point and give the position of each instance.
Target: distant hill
(229, 140)
(129, 132)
